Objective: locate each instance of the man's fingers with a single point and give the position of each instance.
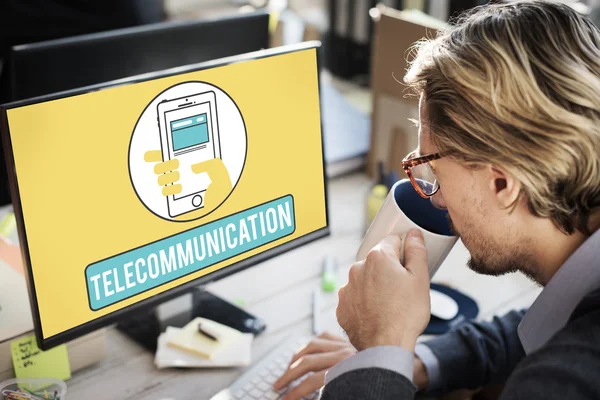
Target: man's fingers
(309, 385)
(295, 371)
(168, 178)
(331, 336)
(166, 166)
(415, 253)
(319, 345)
(153, 156)
(309, 363)
(391, 244)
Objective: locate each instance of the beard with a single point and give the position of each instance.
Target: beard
(490, 257)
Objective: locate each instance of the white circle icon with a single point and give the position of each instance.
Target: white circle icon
(187, 151)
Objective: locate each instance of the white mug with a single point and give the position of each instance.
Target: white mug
(403, 210)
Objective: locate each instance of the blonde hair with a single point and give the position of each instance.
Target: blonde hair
(517, 85)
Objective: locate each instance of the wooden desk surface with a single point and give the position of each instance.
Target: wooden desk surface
(279, 291)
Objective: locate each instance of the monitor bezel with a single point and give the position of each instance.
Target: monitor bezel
(148, 303)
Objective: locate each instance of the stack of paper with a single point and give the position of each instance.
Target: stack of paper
(186, 347)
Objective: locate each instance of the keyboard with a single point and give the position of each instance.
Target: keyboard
(256, 383)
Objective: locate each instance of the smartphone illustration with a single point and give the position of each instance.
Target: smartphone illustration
(189, 131)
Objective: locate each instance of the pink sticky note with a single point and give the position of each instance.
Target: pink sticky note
(11, 255)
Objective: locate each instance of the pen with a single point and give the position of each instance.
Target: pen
(316, 311)
(206, 332)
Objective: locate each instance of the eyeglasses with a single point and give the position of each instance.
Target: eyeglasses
(421, 174)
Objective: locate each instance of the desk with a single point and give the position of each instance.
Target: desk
(280, 292)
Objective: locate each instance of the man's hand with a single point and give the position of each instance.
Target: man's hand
(385, 303)
(420, 377)
(321, 354)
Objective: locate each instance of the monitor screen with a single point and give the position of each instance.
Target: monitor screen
(128, 195)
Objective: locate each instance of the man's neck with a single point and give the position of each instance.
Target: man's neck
(552, 248)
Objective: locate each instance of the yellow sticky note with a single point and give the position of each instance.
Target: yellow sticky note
(31, 362)
(273, 21)
(7, 224)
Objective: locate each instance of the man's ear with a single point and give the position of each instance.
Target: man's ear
(504, 187)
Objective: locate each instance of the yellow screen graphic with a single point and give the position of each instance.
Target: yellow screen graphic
(130, 191)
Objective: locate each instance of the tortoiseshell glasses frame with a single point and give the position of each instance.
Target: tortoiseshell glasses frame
(410, 161)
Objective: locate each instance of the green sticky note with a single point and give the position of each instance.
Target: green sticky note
(7, 224)
(31, 362)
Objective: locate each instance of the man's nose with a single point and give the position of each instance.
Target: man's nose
(438, 200)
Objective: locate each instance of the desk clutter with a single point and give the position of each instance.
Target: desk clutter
(39, 374)
(33, 389)
(203, 343)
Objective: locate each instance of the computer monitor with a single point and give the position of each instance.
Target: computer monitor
(52, 66)
(128, 194)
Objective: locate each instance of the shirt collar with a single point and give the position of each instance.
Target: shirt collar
(578, 276)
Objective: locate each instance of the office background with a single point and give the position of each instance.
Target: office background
(354, 112)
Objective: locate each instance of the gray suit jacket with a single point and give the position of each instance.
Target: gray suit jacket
(478, 354)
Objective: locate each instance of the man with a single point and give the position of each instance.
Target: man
(510, 109)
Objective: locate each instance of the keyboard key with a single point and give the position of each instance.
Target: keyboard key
(256, 380)
(248, 387)
(264, 386)
(272, 395)
(270, 379)
(240, 394)
(257, 394)
(264, 373)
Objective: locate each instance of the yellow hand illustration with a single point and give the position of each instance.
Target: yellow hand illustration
(218, 189)
(220, 185)
(166, 171)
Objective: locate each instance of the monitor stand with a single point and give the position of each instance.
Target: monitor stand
(145, 326)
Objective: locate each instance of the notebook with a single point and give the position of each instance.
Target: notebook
(237, 354)
(189, 339)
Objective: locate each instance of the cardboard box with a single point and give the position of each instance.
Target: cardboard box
(393, 135)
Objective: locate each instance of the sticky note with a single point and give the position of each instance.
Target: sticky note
(31, 362)
(11, 255)
(273, 21)
(7, 224)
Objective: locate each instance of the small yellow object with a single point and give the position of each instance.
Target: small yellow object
(375, 201)
(7, 224)
(273, 21)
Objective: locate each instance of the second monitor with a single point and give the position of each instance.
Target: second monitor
(53, 66)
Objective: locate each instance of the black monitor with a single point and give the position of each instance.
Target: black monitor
(131, 193)
(62, 64)
(53, 66)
